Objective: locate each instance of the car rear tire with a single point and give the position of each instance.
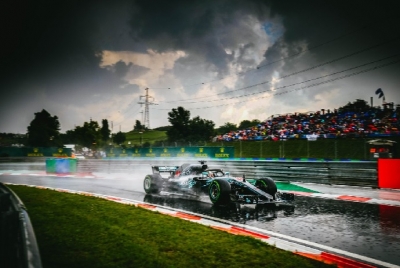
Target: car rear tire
(152, 184)
(219, 192)
(267, 185)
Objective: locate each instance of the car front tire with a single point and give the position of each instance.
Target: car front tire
(267, 185)
(219, 192)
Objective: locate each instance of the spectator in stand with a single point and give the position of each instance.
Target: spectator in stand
(374, 122)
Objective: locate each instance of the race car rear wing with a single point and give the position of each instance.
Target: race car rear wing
(164, 169)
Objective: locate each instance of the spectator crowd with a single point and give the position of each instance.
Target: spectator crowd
(342, 123)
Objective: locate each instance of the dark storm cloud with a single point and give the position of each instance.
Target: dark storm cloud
(197, 27)
(303, 19)
(50, 35)
(53, 48)
(341, 26)
(50, 38)
(321, 31)
(205, 29)
(121, 68)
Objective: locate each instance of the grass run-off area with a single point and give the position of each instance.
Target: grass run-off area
(83, 231)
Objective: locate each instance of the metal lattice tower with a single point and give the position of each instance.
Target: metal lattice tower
(148, 100)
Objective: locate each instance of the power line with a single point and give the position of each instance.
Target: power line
(305, 87)
(295, 73)
(271, 63)
(127, 115)
(309, 80)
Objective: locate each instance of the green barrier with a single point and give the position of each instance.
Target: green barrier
(35, 152)
(197, 151)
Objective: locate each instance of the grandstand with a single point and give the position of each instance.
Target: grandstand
(348, 121)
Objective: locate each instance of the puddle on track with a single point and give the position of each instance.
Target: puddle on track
(365, 229)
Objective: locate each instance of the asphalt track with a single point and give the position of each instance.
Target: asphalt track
(331, 223)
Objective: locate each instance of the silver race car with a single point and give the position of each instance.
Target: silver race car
(223, 189)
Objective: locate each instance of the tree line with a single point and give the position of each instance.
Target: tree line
(44, 129)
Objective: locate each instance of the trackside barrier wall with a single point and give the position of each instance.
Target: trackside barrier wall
(165, 152)
(18, 246)
(357, 173)
(35, 152)
(389, 173)
(345, 172)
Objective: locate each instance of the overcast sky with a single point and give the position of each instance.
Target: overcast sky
(222, 60)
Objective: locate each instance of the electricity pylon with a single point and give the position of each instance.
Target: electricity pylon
(148, 100)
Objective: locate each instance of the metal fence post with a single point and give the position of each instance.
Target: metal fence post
(365, 148)
(335, 149)
(240, 142)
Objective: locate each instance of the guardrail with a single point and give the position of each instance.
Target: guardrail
(18, 247)
(325, 172)
(357, 173)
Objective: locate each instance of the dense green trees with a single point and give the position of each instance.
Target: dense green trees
(179, 119)
(89, 135)
(200, 129)
(11, 139)
(119, 138)
(44, 130)
(105, 130)
(225, 128)
(185, 129)
(248, 124)
(138, 126)
(357, 106)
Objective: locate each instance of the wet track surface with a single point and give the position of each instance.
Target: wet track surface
(366, 229)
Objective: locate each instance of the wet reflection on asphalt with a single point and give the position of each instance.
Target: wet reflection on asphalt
(365, 229)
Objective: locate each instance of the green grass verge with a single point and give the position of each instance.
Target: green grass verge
(150, 136)
(82, 231)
